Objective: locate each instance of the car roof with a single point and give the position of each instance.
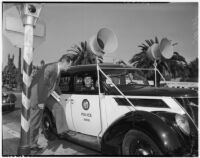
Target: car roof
(92, 67)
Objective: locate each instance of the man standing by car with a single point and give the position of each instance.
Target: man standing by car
(43, 84)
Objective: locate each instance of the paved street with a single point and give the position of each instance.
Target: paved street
(11, 138)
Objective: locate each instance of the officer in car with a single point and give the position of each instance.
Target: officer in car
(87, 83)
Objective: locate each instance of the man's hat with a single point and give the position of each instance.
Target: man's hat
(70, 54)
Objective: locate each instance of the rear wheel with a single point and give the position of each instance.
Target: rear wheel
(48, 125)
(138, 143)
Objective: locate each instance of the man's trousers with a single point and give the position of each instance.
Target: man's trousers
(36, 119)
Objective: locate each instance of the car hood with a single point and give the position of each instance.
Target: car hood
(152, 91)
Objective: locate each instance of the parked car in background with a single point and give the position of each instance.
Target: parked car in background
(8, 100)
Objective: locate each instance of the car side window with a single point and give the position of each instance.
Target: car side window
(78, 83)
(85, 84)
(65, 84)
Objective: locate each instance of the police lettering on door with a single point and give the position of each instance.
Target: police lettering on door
(86, 105)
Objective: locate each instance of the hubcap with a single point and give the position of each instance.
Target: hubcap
(142, 152)
(142, 148)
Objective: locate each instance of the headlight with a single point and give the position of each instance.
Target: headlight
(183, 123)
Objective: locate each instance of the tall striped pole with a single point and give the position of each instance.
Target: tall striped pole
(29, 21)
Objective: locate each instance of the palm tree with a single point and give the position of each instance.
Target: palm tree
(193, 70)
(172, 67)
(178, 66)
(84, 55)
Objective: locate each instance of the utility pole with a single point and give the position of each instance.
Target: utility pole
(30, 14)
(18, 29)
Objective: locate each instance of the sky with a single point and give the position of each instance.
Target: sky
(70, 23)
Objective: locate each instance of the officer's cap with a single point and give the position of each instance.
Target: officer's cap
(69, 55)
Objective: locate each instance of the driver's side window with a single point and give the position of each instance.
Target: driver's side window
(85, 83)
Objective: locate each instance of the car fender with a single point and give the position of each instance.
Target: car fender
(50, 106)
(51, 103)
(147, 122)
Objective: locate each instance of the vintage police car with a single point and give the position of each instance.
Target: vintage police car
(128, 117)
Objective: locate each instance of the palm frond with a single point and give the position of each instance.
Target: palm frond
(73, 50)
(177, 57)
(175, 66)
(156, 40)
(152, 42)
(144, 47)
(84, 56)
(148, 42)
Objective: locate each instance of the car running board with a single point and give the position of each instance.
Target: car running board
(84, 140)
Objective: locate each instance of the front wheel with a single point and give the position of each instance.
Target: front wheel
(138, 143)
(48, 125)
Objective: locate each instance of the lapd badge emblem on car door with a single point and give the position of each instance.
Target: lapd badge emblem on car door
(85, 104)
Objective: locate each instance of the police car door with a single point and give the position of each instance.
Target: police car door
(66, 89)
(85, 107)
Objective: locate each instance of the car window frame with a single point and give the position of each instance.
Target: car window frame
(92, 92)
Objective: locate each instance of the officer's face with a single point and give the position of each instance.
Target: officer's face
(88, 81)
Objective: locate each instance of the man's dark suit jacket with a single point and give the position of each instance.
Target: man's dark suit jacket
(43, 83)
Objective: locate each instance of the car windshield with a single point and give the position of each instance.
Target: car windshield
(126, 76)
